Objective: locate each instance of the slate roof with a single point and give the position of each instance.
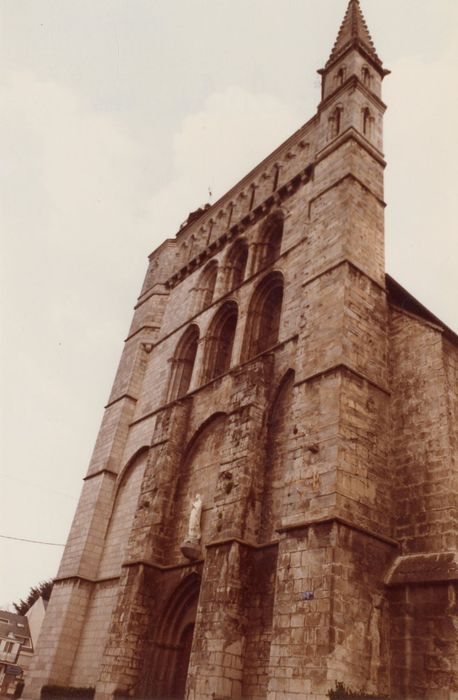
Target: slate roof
(13, 624)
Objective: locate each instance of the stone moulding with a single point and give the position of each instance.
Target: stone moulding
(198, 389)
(283, 192)
(342, 366)
(440, 567)
(305, 524)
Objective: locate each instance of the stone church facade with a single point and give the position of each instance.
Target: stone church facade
(271, 505)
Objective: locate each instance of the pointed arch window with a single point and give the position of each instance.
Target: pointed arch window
(368, 121)
(340, 76)
(220, 341)
(264, 315)
(366, 76)
(335, 122)
(205, 289)
(183, 363)
(236, 264)
(271, 239)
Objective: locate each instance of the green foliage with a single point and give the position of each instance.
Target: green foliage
(43, 590)
(60, 692)
(341, 692)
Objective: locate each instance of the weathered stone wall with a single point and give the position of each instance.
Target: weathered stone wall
(423, 580)
(259, 601)
(426, 481)
(325, 453)
(423, 644)
(329, 622)
(88, 659)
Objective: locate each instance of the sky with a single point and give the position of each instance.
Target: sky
(118, 117)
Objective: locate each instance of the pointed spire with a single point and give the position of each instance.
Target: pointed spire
(353, 32)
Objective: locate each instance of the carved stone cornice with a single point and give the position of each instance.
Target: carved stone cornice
(282, 193)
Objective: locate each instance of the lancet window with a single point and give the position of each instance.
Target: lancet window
(264, 314)
(205, 289)
(270, 239)
(220, 341)
(335, 122)
(183, 363)
(368, 121)
(236, 264)
(340, 76)
(366, 76)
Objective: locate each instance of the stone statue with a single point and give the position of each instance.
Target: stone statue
(191, 546)
(194, 532)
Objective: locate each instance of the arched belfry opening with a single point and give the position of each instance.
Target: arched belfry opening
(205, 290)
(236, 264)
(166, 675)
(183, 363)
(264, 315)
(220, 340)
(271, 238)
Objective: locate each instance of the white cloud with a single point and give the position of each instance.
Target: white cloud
(70, 182)
(215, 147)
(421, 179)
(79, 221)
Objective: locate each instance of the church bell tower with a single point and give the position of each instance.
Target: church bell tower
(237, 531)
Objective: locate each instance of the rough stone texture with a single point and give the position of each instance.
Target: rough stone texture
(327, 463)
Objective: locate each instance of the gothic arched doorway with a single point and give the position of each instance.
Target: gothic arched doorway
(173, 643)
(182, 662)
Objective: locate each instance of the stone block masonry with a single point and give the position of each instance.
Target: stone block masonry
(271, 505)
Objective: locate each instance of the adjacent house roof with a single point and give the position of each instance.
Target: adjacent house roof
(14, 626)
(400, 297)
